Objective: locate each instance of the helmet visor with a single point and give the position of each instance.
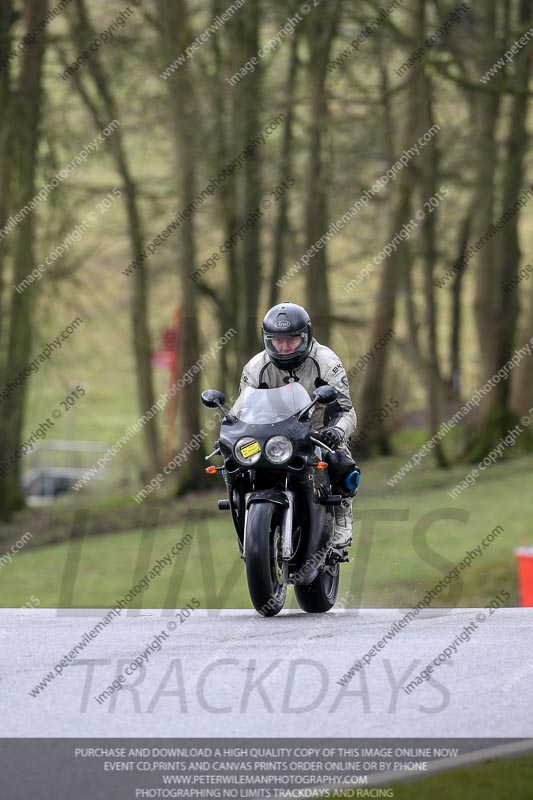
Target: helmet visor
(286, 346)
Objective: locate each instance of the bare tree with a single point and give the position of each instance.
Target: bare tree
(26, 110)
(321, 29)
(373, 381)
(430, 186)
(285, 169)
(246, 31)
(522, 386)
(6, 18)
(182, 103)
(496, 312)
(103, 111)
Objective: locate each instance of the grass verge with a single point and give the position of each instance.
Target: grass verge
(405, 541)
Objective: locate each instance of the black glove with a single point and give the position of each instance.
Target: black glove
(332, 437)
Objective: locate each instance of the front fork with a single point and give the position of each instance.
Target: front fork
(288, 519)
(286, 540)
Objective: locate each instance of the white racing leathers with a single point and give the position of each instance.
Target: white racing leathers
(322, 367)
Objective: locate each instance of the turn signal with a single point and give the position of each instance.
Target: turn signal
(211, 470)
(322, 465)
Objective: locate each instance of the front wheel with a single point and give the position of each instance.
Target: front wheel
(266, 572)
(320, 595)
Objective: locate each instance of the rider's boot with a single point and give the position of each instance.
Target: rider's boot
(342, 535)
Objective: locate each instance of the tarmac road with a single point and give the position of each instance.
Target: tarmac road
(233, 673)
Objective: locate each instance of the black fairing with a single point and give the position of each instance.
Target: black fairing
(299, 474)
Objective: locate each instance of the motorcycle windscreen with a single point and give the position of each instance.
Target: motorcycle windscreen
(261, 406)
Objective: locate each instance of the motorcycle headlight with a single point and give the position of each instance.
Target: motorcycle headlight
(247, 451)
(278, 449)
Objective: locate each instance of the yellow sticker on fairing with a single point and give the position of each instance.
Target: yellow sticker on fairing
(250, 449)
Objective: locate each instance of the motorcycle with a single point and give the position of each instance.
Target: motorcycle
(279, 495)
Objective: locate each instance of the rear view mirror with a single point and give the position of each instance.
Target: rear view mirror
(325, 394)
(212, 398)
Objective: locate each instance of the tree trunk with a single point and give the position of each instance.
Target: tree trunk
(321, 27)
(522, 382)
(430, 187)
(249, 342)
(486, 107)
(183, 104)
(140, 290)
(496, 310)
(509, 245)
(454, 381)
(26, 110)
(6, 11)
(223, 129)
(286, 167)
(522, 385)
(414, 349)
(373, 380)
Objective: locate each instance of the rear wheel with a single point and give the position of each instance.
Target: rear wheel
(321, 594)
(266, 572)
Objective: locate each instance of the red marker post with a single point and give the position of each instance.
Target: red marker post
(524, 558)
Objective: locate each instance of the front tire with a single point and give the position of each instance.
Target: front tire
(320, 595)
(266, 573)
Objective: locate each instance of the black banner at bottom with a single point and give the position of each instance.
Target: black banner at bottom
(126, 769)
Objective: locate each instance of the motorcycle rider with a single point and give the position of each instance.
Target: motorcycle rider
(292, 354)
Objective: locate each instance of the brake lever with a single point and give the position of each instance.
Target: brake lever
(214, 453)
(325, 446)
